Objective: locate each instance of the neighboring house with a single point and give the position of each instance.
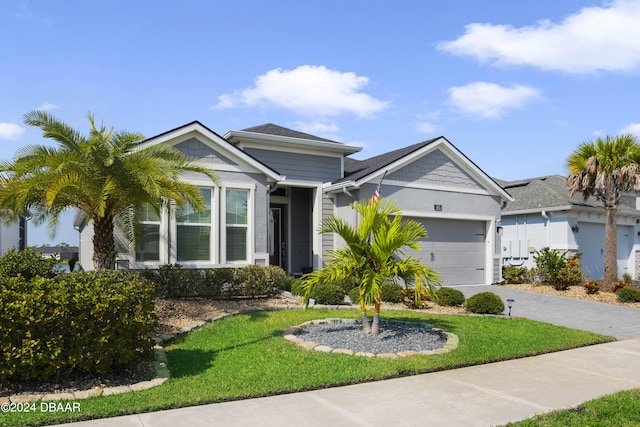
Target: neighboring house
(63, 253)
(543, 215)
(277, 184)
(13, 235)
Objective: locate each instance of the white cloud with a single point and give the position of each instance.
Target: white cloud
(307, 90)
(593, 39)
(633, 128)
(321, 126)
(11, 131)
(490, 100)
(47, 106)
(427, 127)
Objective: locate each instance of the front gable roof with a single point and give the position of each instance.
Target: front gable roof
(214, 141)
(359, 172)
(273, 137)
(549, 193)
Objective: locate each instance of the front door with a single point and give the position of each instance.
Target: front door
(278, 236)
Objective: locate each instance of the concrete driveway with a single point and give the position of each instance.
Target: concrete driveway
(608, 319)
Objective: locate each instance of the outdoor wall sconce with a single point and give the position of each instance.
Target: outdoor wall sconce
(575, 228)
(510, 304)
(499, 230)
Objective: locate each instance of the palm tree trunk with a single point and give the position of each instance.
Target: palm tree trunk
(366, 328)
(610, 244)
(375, 324)
(104, 247)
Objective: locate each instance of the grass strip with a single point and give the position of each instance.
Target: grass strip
(614, 410)
(246, 356)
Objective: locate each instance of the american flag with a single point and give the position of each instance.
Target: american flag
(376, 194)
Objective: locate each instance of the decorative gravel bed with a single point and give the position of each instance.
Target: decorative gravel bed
(346, 336)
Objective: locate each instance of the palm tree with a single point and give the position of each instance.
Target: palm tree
(104, 175)
(372, 256)
(605, 168)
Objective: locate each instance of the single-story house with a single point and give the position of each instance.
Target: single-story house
(13, 235)
(277, 184)
(542, 214)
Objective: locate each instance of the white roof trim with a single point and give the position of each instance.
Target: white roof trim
(251, 138)
(214, 140)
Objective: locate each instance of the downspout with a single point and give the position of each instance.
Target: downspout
(548, 225)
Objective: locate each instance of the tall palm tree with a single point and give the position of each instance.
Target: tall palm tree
(605, 168)
(374, 254)
(104, 175)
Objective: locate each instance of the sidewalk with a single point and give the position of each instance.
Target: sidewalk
(484, 395)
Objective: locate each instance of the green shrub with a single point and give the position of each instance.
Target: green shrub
(221, 283)
(277, 278)
(626, 278)
(354, 295)
(26, 263)
(514, 274)
(391, 292)
(171, 281)
(287, 284)
(449, 297)
(485, 303)
(254, 280)
(328, 293)
(86, 322)
(555, 269)
(628, 295)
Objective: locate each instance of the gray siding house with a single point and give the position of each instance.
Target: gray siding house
(543, 215)
(277, 184)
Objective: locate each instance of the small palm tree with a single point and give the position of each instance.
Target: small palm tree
(605, 168)
(373, 255)
(104, 175)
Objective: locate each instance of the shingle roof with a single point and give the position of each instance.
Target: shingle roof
(356, 169)
(271, 129)
(548, 192)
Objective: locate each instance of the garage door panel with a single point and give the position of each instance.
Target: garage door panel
(455, 249)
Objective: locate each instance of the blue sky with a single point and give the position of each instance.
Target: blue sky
(516, 86)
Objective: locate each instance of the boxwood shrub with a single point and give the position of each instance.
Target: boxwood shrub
(485, 303)
(449, 297)
(328, 293)
(85, 322)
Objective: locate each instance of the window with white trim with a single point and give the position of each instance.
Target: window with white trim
(147, 234)
(194, 231)
(237, 224)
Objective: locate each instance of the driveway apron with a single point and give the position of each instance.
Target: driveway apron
(608, 319)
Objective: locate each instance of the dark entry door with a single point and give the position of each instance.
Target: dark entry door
(278, 243)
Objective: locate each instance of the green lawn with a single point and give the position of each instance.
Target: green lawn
(245, 356)
(614, 410)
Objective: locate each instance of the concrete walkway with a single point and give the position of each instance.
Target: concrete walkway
(486, 395)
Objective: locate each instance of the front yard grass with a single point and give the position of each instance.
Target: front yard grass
(246, 356)
(614, 410)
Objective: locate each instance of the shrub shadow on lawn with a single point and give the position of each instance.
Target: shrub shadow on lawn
(193, 362)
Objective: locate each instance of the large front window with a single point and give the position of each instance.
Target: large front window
(237, 224)
(194, 231)
(147, 234)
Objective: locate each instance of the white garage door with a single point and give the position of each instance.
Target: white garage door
(455, 249)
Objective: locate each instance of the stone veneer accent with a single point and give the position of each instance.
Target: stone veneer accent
(291, 336)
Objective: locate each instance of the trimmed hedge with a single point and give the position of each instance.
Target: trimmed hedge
(174, 281)
(485, 303)
(26, 263)
(85, 322)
